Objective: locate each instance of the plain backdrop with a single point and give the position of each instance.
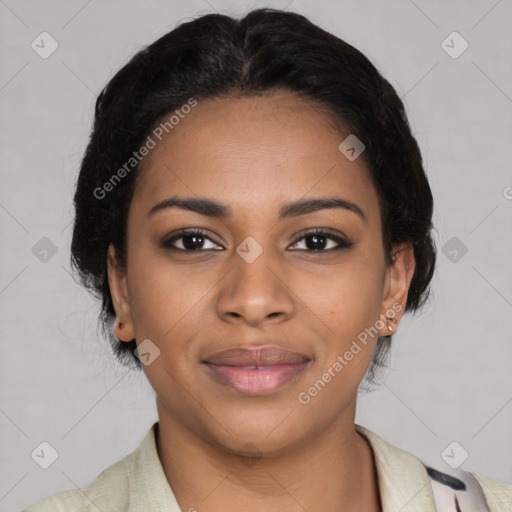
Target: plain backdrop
(450, 375)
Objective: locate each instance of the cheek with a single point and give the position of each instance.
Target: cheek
(348, 301)
(164, 297)
(346, 296)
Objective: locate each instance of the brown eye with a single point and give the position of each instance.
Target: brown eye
(190, 240)
(318, 241)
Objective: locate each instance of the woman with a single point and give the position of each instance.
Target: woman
(253, 212)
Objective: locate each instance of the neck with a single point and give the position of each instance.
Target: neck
(334, 471)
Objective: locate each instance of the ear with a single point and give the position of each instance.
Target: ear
(120, 298)
(396, 286)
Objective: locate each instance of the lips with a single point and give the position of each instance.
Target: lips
(255, 371)
(261, 356)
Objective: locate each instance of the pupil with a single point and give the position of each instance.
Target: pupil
(197, 239)
(315, 238)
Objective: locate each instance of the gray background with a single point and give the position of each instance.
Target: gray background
(450, 377)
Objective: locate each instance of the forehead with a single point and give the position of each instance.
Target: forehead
(257, 152)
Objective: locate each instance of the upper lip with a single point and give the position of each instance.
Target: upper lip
(256, 356)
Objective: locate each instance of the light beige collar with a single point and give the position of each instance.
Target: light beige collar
(403, 481)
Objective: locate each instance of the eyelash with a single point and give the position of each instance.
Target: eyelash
(342, 244)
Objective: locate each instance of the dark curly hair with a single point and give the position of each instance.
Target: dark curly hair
(216, 55)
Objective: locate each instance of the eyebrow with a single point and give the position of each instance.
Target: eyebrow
(212, 208)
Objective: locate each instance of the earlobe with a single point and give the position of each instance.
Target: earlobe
(398, 280)
(123, 327)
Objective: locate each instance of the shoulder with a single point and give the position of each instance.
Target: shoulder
(498, 494)
(136, 483)
(109, 492)
(406, 481)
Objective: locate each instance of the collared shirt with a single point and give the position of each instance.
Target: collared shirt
(138, 483)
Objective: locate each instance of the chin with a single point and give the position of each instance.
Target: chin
(254, 434)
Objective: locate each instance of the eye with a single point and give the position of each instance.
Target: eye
(194, 239)
(319, 240)
(190, 239)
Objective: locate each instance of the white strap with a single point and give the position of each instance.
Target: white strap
(456, 492)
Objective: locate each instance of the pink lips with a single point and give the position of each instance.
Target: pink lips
(256, 371)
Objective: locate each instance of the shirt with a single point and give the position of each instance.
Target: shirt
(137, 483)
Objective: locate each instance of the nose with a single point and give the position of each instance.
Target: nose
(255, 293)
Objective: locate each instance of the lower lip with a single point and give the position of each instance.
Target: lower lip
(256, 381)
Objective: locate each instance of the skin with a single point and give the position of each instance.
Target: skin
(221, 449)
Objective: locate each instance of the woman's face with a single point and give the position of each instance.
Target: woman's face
(256, 276)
